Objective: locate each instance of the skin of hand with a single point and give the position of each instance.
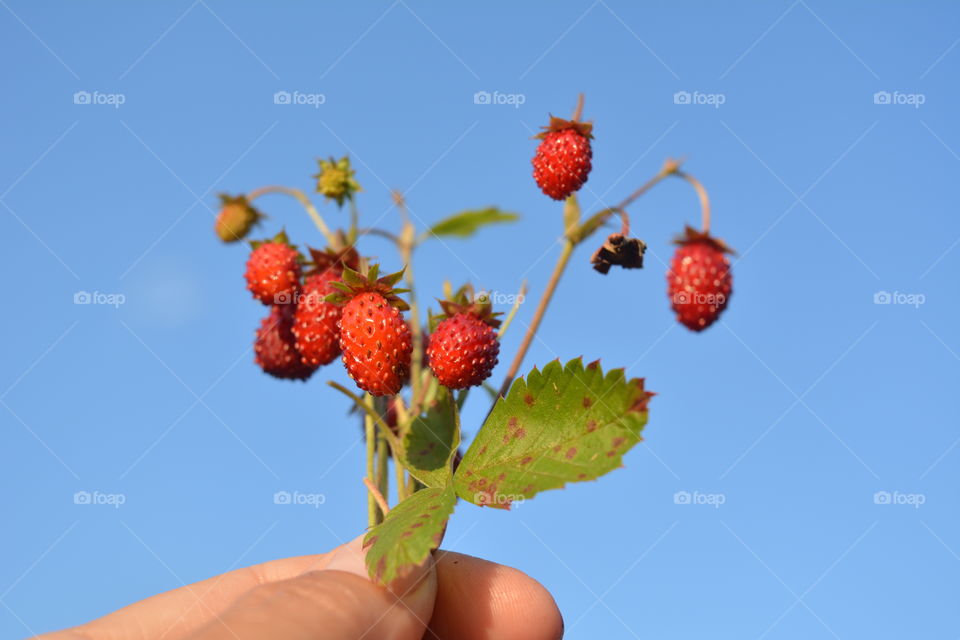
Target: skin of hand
(329, 596)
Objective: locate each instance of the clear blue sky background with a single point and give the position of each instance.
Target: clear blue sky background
(795, 410)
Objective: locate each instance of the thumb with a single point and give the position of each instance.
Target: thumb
(338, 603)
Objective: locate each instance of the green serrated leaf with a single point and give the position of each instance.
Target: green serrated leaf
(432, 441)
(564, 424)
(411, 530)
(466, 223)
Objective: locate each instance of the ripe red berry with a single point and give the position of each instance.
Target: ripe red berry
(699, 281)
(316, 322)
(463, 351)
(376, 343)
(273, 271)
(274, 348)
(563, 159)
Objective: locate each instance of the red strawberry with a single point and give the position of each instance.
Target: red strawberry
(699, 281)
(274, 347)
(374, 337)
(316, 322)
(463, 349)
(562, 162)
(273, 271)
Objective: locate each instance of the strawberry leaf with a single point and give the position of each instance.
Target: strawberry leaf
(466, 223)
(432, 440)
(411, 530)
(564, 424)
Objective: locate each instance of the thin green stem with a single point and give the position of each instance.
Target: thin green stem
(370, 434)
(558, 270)
(383, 457)
(303, 199)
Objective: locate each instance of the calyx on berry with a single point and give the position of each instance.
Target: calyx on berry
(355, 282)
(691, 235)
(236, 219)
(336, 181)
(465, 300)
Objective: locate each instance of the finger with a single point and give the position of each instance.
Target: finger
(176, 614)
(479, 600)
(339, 604)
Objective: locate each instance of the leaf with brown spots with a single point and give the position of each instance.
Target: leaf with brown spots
(578, 426)
(433, 439)
(411, 530)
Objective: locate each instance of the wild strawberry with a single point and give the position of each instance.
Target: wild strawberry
(374, 337)
(463, 348)
(316, 322)
(336, 181)
(562, 162)
(699, 281)
(273, 271)
(274, 347)
(236, 218)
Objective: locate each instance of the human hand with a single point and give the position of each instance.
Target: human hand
(330, 596)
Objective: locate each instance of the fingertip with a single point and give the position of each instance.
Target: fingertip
(477, 599)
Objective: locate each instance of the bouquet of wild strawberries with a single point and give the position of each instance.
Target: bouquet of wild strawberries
(563, 424)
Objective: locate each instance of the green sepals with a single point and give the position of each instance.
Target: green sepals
(280, 238)
(466, 300)
(432, 440)
(466, 223)
(356, 282)
(336, 180)
(564, 424)
(236, 219)
(409, 534)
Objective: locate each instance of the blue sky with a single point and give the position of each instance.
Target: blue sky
(812, 427)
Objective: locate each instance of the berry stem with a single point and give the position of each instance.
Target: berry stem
(303, 199)
(376, 495)
(354, 222)
(704, 199)
(558, 270)
(371, 438)
(513, 310)
(578, 111)
(407, 242)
